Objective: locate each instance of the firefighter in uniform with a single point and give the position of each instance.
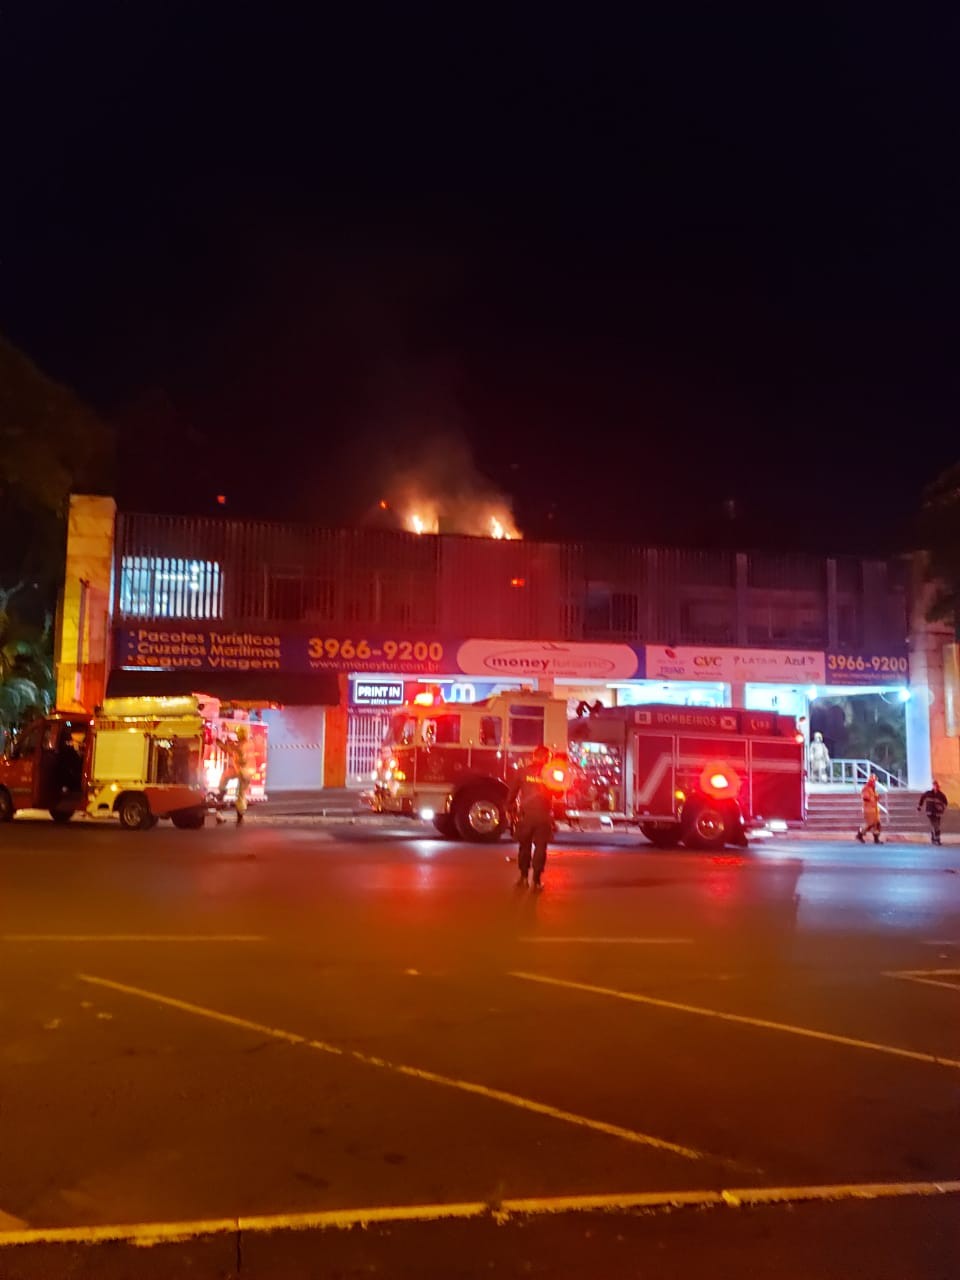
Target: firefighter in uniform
(870, 799)
(238, 766)
(935, 802)
(535, 802)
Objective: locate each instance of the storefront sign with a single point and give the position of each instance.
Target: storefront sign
(734, 666)
(868, 668)
(191, 646)
(527, 660)
(200, 646)
(206, 647)
(473, 690)
(371, 693)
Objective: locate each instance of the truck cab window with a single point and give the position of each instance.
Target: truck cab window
(526, 726)
(25, 745)
(442, 731)
(491, 731)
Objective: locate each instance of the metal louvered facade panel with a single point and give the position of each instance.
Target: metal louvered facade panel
(247, 571)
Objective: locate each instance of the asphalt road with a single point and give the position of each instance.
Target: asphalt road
(237, 1046)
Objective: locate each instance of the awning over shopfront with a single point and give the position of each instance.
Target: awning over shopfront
(318, 689)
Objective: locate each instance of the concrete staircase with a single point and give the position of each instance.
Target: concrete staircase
(842, 811)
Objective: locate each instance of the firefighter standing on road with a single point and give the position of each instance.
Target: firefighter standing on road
(870, 799)
(535, 799)
(238, 767)
(935, 802)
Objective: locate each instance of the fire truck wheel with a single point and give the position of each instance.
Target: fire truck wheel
(662, 837)
(6, 806)
(445, 825)
(479, 816)
(188, 819)
(704, 827)
(60, 817)
(134, 813)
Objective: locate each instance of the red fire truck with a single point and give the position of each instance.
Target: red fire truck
(695, 775)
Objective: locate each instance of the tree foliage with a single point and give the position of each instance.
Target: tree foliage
(26, 659)
(50, 444)
(940, 537)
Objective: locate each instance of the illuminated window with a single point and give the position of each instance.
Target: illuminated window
(162, 587)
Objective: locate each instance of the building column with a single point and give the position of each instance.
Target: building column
(833, 612)
(933, 748)
(82, 645)
(742, 569)
(335, 738)
(735, 695)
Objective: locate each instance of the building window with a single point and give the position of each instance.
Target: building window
(163, 587)
(286, 598)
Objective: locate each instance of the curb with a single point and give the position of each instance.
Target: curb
(891, 837)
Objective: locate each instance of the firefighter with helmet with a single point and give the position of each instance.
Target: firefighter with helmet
(534, 798)
(238, 766)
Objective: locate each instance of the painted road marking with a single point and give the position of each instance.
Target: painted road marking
(611, 942)
(929, 977)
(131, 937)
(153, 1233)
(415, 1073)
(762, 1023)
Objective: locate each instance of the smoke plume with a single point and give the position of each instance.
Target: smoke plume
(441, 491)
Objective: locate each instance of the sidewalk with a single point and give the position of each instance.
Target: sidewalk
(888, 837)
(331, 802)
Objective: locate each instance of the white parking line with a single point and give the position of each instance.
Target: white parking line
(613, 942)
(416, 1073)
(928, 977)
(146, 1234)
(764, 1024)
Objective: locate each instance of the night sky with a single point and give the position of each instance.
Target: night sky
(644, 267)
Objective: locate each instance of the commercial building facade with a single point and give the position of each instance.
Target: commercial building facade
(331, 627)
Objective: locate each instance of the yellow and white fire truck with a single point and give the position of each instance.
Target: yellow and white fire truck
(696, 775)
(137, 759)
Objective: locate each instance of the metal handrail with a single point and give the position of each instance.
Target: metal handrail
(854, 773)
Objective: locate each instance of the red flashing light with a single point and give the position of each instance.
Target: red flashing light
(221, 499)
(518, 582)
(554, 774)
(798, 739)
(383, 504)
(424, 699)
(719, 780)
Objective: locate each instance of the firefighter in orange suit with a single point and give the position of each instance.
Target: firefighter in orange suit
(870, 799)
(535, 802)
